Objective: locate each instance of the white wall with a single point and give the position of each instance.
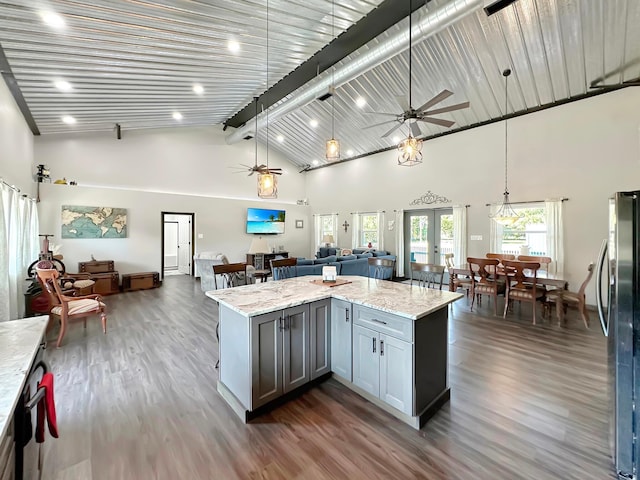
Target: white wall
(183, 170)
(16, 145)
(584, 150)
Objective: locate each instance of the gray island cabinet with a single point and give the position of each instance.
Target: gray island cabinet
(386, 341)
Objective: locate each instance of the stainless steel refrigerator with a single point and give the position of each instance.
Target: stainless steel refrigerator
(617, 282)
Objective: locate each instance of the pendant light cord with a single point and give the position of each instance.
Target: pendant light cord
(333, 71)
(267, 85)
(506, 74)
(410, 7)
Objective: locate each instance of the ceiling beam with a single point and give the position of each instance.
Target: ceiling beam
(12, 84)
(380, 19)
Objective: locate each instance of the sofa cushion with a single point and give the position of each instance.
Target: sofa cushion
(329, 259)
(326, 252)
(364, 255)
(346, 257)
(304, 261)
(359, 266)
(380, 253)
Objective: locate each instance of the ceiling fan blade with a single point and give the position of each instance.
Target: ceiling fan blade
(437, 121)
(395, 127)
(437, 99)
(450, 108)
(403, 102)
(415, 129)
(382, 113)
(377, 124)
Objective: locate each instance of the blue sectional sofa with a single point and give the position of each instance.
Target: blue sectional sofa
(356, 264)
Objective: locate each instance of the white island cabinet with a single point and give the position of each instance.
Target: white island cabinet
(386, 341)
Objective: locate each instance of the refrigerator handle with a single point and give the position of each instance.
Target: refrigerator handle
(602, 256)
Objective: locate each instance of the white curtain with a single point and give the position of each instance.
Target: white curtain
(460, 234)
(495, 233)
(317, 233)
(355, 233)
(555, 235)
(334, 222)
(400, 243)
(18, 248)
(380, 231)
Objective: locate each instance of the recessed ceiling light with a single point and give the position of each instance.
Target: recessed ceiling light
(177, 116)
(199, 89)
(349, 152)
(52, 19)
(315, 162)
(280, 138)
(361, 102)
(233, 46)
(313, 123)
(68, 119)
(63, 85)
(395, 139)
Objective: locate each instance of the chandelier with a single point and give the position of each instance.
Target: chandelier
(505, 215)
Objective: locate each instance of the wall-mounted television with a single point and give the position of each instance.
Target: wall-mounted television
(264, 221)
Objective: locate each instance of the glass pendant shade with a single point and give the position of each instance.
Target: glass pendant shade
(505, 215)
(410, 151)
(332, 150)
(267, 185)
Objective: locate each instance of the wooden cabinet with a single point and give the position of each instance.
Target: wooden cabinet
(383, 364)
(279, 353)
(341, 346)
(262, 261)
(140, 281)
(104, 274)
(320, 338)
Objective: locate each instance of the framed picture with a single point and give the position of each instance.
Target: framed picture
(299, 223)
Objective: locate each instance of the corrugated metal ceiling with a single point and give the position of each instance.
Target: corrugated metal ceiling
(134, 63)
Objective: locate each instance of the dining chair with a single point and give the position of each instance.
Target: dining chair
(563, 298)
(521, 284)
(381, 268)
(544, 262)
(67, 308)
(231, 275)
(501, 256)
(485, 281)
(427, 275)
(284, 268)
(454, 279)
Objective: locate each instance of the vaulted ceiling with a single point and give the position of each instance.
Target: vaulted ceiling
(135, 63)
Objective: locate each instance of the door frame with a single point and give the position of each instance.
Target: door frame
(193, 240)
(407, 233)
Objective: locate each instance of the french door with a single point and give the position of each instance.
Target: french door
(428, 236)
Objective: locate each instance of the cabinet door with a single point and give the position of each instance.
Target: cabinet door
(396, 373)
(341, 345)
(266, 358)
(366, 360)
(319, 343)
(296, 347)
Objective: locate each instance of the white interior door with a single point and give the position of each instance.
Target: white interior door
(170, 245)
(184, 244)
(428, 236)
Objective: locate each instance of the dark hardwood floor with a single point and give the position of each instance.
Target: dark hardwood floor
(141, 403)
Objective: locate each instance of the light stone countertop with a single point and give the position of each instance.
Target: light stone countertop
(19, 342)
(407, 301)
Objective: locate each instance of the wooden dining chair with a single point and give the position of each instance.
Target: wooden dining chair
(427, 275)
(381, 268)
(65, 307)
(521, 284)
(544, 262)
(284, 268)
(484, 280)
(231, 274)
(501, 256)
(564, 298)
(454, 279)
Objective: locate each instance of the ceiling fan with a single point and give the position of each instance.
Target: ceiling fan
(422, 113)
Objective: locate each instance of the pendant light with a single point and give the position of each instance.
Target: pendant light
(505, 215)
(410, 149)
(267, 183)
(332, 150)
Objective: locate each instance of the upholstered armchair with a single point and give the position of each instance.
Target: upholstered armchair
(205, 261)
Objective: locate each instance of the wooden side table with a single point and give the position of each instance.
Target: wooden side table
(262, 275)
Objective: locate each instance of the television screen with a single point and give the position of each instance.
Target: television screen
(260, 220)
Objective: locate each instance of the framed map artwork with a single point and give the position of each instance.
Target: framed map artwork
(93, 222)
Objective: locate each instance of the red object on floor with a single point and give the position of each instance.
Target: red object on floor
(46, 405)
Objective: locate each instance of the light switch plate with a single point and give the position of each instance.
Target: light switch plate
(476, 237)
(201, 235)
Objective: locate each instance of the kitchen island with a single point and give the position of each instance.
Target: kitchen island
(387, 341)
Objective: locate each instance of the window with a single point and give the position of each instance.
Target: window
(530, 231)
(367, 230)
(326, 224)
